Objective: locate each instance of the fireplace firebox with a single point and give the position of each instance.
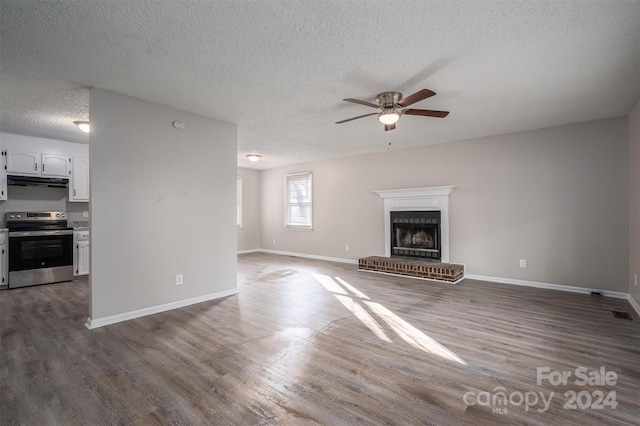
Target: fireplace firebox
(416, 234)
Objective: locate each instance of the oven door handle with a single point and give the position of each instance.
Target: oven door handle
(49, 233)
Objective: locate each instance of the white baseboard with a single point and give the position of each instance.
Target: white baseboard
(560, 287)
(354, 262)
(311, 256)
(524, 283)
(248, 251)
(112, 319)
(635, 305)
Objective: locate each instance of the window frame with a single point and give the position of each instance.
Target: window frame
(287, 204)
(239, 192)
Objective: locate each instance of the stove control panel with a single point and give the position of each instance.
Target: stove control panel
(34, 216)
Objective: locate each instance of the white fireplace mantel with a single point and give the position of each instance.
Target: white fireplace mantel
(418, 199)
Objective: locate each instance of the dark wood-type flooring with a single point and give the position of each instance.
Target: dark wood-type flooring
(313, 342)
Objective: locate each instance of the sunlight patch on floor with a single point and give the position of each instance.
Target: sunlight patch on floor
(328, 283)
(352, 288)
(364, 309)
(412, 335)
(364, 316)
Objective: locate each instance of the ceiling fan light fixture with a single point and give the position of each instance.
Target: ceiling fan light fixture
(254, 157)
(391, 106)
(389, 116)
(83, 125)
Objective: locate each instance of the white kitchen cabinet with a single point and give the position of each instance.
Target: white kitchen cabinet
(4, 264)
(81, 253)
(3, 178)
(83, 258)
(23, 162)
(4, 258)
(79, 185)
(55, 165)
(38, 164)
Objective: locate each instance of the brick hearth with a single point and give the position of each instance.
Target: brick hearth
(418, 268)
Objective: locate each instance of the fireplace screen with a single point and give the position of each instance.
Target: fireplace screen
(416, 234)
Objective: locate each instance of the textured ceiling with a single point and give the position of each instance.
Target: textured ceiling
(279, 69)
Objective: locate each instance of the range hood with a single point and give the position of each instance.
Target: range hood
(37, 181)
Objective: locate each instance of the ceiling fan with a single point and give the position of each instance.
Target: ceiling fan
(392, 106)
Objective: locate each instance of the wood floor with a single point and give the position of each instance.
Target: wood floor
(313, 342)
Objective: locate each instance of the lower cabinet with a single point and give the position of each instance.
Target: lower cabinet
(4, 258)
(81, 253)
(4, 265)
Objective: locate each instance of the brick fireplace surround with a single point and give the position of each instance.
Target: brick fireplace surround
(417, 268)
(416, 199)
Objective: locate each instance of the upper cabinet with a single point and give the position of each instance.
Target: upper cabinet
(79, 184)
(27, 163)
(38, 164)
(42, 161)
(55, 165)
(3, 178)
(23, 162)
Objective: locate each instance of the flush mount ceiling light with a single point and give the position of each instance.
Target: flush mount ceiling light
(254, 157)
(390, 116)
(82, 125)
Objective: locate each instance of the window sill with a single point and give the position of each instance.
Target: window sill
(298, 228)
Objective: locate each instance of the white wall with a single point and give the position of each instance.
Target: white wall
(163, 203)
(249, 234)
(557, 197)
(49, 146)
(42, 199)
(634, 202)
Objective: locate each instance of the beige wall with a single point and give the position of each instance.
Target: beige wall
(249, 234)
(634, 201)
(557, 197)
(163, 203)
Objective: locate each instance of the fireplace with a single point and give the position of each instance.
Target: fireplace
(416, 234)
(431, 199)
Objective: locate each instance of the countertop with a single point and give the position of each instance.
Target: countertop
(79, 224)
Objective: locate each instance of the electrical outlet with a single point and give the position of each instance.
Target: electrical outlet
(523, 263)
(635, 277)
(85, 214)
(179, 279)
(346, 247)
(274, 241)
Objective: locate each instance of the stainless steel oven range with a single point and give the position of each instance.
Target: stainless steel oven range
(40, 248)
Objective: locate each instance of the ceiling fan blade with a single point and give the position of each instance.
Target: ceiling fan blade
(355, 118)
(358, 101)
(388, 127)
(426, 113)
(416, 97)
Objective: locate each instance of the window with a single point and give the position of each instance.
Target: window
(239, 202)
(298, 201)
